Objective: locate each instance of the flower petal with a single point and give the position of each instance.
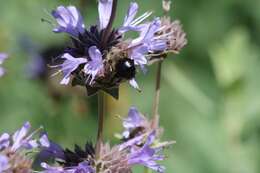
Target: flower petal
(104, 9)
(130, 23)
(138, 55)
(94, 66)
(19, 136)
(44, 141)
(4, 140)
(131, 13)
(147, 156)
(69, 20)
(69, 65)
(134, 119)
(4, 163)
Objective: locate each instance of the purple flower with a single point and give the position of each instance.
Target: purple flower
(137, 127)
(138, 55)
(131, 13)
(146, 43)
(133, 120)
(54, 151)
(14, 149)
(69, 20)
(130, 23)
(95, 65)
(110, 58)
(78, 161)
(104, 10)
(21, 139)
(147, 156)
(4, 141)
(4, 165)
(44, 141)
(3, 56)
(83, 167)
(148, 38)
(68, 66)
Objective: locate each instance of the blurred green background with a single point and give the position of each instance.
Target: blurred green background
(210, 99)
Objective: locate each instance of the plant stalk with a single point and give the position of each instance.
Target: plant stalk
(101, 102)
(155, 113)
(101, 113)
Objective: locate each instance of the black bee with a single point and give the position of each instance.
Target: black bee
(125, 68)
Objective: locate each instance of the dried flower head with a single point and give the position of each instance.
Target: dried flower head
(14, 149)
(113, 160)
(174, 36)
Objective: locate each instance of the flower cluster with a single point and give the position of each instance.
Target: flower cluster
(3, 56)
(143, 149)
(14, 149)
(102, 57)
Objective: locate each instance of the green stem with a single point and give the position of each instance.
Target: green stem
(155, 113)
(101, 112)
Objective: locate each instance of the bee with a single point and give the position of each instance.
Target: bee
(121, 65)
(125, 68)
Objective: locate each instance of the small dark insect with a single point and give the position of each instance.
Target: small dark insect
(135, 132)
(125, 68)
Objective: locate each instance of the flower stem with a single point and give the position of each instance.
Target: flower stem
(166, 4)
(101, 112)
(155, 114)
(155, 118)
(101, 104)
